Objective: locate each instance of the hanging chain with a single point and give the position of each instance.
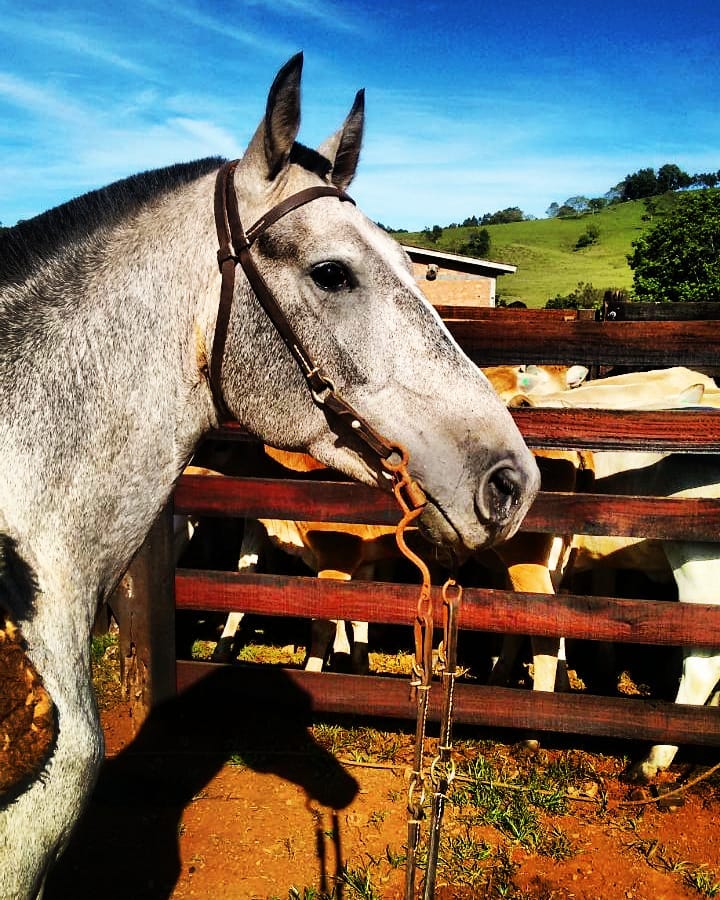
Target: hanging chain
(412, 503)
(442, 769)
(412, 500)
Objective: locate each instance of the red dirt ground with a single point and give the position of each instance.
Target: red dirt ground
(170, 819)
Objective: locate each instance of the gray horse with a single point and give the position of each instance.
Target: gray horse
(107, 315)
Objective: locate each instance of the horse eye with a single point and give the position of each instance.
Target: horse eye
(330, 276)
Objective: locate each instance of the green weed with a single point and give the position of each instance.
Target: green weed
(704, 880)
(359, 882)
(100, 644)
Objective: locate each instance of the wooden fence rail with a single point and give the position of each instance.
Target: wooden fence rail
(497, 341)
(555, 513)
(491, 337)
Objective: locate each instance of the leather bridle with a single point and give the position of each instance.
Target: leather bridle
(235, 244)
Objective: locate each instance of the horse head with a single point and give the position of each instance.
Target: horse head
(348, 292)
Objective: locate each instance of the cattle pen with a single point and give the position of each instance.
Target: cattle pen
(152, 590)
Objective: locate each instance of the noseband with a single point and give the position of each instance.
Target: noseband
(235, 244)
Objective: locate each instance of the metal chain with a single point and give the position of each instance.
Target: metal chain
(411, 499)
(442, 769)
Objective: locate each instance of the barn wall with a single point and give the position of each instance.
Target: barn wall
(455, 288)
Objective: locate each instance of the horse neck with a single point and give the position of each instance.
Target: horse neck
(104, 399)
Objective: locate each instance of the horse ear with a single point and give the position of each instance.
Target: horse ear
(271, 145)
(343, 148)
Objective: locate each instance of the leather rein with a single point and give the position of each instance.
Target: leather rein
(235, 244)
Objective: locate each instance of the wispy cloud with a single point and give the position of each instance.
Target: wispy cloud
(100, 154)
(39, 100)
(220, 25)
(461, 118)
(332, 15)
(70, 41)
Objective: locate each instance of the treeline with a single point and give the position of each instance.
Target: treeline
(643, 184)
(640, 185)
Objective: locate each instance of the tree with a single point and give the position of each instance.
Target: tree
(679, 259)
(552, 210)
(503, 216)
(672, 178)
(579, 204)
(584, 296)
(590, 236)
(432, 234)
(642, 183)
(477, 244)
(706, 179)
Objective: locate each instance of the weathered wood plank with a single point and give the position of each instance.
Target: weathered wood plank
(508, 315)
(656, 312)
(578, 616)
(477, 705)
(327, 501)
(678, 430)
(493, 341)
(556, 513)
(144, 607)
(657, 518)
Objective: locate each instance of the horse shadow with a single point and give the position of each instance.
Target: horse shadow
(126, 844)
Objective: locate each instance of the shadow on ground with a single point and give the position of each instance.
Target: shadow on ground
(126, 845)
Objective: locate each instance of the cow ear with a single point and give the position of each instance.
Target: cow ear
(691, 396)
(343, 148)
(576, 375)
(519, 401)
(270, 147)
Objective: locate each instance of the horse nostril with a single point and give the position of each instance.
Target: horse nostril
(498, 494)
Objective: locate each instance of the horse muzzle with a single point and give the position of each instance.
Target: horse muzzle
(499, 501)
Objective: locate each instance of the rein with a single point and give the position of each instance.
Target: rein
(235, 244)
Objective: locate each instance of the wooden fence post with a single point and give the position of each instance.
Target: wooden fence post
(144, 607)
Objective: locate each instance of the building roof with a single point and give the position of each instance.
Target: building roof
(458, 263)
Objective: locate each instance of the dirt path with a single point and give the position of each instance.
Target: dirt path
(172, 818)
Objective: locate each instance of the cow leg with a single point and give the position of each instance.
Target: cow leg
(549, 664)
(700, 675)
(337, 557)
(326, 633)
(359, 656)
(254, 537)
(536, 578)
(322, 636)
(696, 568)
(341, 648)
(502, 665)
(224, 651)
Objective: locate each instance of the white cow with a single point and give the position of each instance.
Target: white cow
(695, 566)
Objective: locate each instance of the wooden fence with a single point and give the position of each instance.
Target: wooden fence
(492, 337)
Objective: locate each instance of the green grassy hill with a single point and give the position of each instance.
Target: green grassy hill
(543, 250)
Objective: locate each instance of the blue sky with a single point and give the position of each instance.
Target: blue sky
(471, 106)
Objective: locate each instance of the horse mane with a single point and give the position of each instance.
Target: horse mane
(32, 242)
(310, 159)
